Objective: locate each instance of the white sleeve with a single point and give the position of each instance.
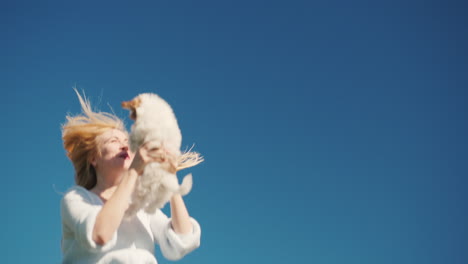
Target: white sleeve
(174, 246)
(78, 217)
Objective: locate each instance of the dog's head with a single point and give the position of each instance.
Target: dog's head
(154, 120)
(149, 105)
(132, 105)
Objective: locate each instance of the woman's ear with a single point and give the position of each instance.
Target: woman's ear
(92, 161)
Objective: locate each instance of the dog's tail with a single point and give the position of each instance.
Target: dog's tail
(186, 185)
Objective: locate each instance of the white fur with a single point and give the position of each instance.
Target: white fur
(156, 123)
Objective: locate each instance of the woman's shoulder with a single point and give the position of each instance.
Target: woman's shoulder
(78, 193)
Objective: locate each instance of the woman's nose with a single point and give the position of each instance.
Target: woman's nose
(124, 146)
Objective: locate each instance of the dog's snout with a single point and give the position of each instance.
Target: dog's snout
(128, 104)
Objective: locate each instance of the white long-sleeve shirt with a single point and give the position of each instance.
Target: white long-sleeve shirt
(133, 242)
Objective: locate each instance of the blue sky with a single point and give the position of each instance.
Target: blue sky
(333, 131)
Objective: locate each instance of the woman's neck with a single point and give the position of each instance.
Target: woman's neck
(106, 184)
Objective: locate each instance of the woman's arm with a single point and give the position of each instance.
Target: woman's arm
(109, 218)
(174, 246)
(180, 216)
(179, 235)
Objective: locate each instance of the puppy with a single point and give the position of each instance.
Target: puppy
(156, 125)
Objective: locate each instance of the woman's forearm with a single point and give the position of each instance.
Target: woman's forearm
(109, 218)
(180, 216)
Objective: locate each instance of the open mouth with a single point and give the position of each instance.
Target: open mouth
(124, 155)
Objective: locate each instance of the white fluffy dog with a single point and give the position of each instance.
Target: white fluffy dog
(156, 125)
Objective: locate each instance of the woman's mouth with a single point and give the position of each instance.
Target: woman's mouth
(124, 155)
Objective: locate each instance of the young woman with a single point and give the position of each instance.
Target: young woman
(93, 223)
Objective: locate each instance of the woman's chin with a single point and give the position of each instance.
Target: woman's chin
(122, 164)
(127, 163)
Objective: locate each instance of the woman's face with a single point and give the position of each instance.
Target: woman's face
(113, 151)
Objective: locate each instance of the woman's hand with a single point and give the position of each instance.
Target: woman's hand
(139, 160)
(153, 152)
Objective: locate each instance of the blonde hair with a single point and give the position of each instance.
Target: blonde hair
(79, 139)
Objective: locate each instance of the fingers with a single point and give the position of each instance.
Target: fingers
(154, 154)
(152, 145)
(153, 151)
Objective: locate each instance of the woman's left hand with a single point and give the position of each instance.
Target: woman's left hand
(151, 152)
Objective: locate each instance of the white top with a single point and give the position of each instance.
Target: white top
(133, 242)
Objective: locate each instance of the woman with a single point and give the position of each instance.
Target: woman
(93, 223)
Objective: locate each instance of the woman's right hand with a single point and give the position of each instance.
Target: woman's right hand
(138, 162)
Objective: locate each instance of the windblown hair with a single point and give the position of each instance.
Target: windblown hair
(79, 139)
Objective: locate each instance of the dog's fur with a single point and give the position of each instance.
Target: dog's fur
(156, 125)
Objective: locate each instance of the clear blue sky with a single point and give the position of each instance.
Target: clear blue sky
(333, 131)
